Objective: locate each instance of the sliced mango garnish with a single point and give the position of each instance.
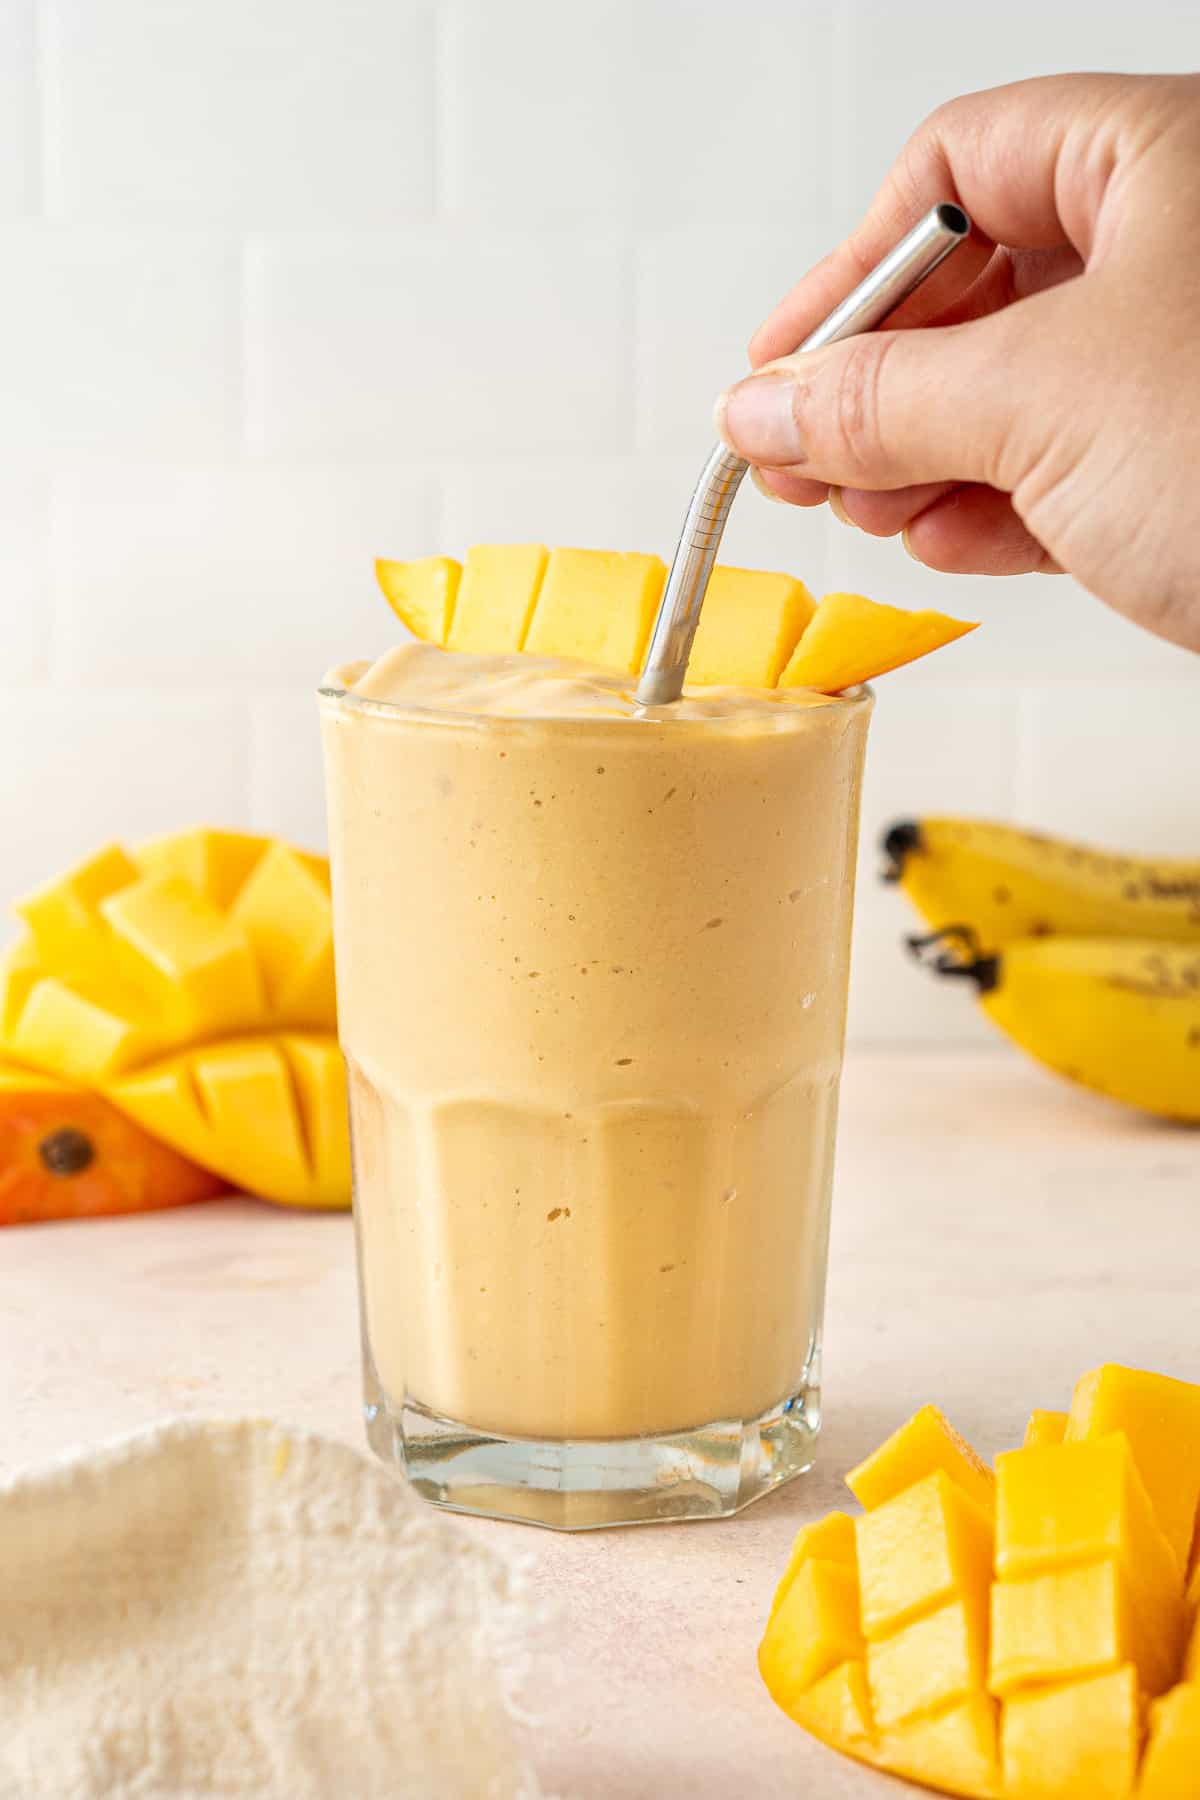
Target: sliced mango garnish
(852, 639)
(757, 629)
(1024, 1669)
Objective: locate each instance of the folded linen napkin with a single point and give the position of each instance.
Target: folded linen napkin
(211, 1608)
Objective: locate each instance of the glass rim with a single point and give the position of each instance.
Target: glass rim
(855, 700)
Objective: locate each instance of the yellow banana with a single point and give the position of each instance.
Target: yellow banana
(1008, 884)
(1117, 1015)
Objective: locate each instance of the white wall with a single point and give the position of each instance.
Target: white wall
(288, 283)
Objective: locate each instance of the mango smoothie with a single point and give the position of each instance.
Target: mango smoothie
(592, 966)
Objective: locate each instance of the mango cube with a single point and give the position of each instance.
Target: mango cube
(192, 963)
(496, 596)
(1171, 1765)
(749, 625)
(937, 1661)
(59, 1030)
(930, 1545)
(1044, 1428)
(813, 1630)
(20, 970)
(285, 912)
(955, 1750)
(837, 1708)
(927, 1442)
(318, 1075)
(216, 863)
(1069, 1503)
(1080, 1739)
(852, 639)
(422, 594)
(1161, 1419)
(1068, 1623)
(62, 915)
(597, 605)
(831, 1539)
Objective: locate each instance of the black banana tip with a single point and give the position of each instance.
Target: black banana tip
(955, 951)
(899, 842)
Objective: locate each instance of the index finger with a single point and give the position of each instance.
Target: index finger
(1014, 157)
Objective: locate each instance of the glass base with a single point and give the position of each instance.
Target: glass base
(708, 1472)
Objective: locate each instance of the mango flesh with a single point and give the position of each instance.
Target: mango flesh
(191, 983)
(1171, 1766)
(497, 593)
(1023, 1671)
(598, 605)
(814, 1629)
(750, 624)
(1044, 1428)
(927, 1442)
(852, 639)
(1161, 1419)
(756, 629)
(1080, 1739)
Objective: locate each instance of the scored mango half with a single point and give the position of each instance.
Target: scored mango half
(1027, 1635)
(757, 628)
(189, 982)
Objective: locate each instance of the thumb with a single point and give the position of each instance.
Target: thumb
(890, 409)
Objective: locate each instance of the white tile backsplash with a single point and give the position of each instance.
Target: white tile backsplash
(293, 284)
(81, 769)
(19, 149)
(218, 111)
(116, 344)
(425, 342)
(227, 577)
(24, 600)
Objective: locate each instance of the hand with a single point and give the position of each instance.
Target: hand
(1048, 416)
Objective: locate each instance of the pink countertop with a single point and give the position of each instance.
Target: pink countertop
(995, 1233)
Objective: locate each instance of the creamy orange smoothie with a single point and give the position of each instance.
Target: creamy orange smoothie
(592, 968)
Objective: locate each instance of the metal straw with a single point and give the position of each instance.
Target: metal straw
(928, 243)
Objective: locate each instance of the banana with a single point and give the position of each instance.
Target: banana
(1010, 884)
(1118, 1015)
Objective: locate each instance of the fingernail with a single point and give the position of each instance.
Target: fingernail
(768, 493)
(908, 547)
(757, 419)
(837, 506)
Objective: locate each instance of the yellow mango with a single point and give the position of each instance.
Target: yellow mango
(852, 639)
(837, 1709)
(929, 1545)
(249, 1108)
(1044, 1428)
(422, 594)
(1191, 1661)
(216, 863)
(63, 915)
(927, 1442)
(749, 625)
(20, 970)
(1161, 1419)
(59, 1030)
(813, 1630)
(597, 605)
(1171, 1765)
(193, 963)
(284, 910)
(1078, 1741)
(936, 1662)
(319, 1076)
(1068, 1623)
(1066, 1504)
(831, 1539)
(954, 1750)
(496, 596)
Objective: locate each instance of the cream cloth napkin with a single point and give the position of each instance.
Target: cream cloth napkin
(210, 1609)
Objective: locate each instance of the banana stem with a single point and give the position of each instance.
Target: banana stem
(955, 951)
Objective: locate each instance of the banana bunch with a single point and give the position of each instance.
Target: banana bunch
(1090, 962)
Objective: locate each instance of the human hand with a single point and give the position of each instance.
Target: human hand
(1047, 417)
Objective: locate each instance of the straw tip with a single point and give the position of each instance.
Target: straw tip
(952, 218)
